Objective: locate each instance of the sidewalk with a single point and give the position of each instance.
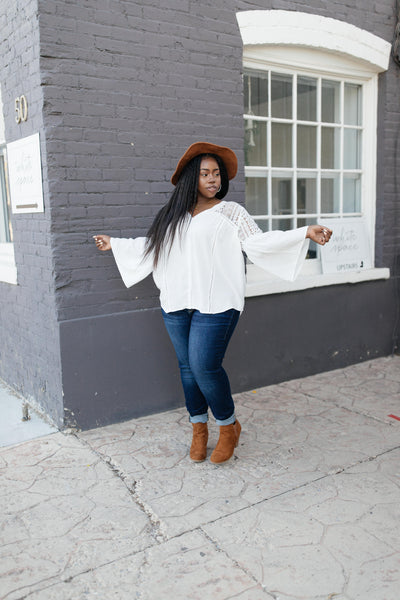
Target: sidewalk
(18, 425)
(308, 508)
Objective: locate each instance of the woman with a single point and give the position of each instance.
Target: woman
(194, 249)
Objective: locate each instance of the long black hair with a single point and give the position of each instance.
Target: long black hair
(171, 218)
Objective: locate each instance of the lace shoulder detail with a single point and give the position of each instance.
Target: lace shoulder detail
(240, 218)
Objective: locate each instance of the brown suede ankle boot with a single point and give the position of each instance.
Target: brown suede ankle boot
(198, 449)
(228, 440)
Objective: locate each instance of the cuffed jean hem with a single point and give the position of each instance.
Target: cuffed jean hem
(228, 421)
(199, 418)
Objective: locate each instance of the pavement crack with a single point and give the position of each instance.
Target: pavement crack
(220, 550)
(157, 530)
(331, 473)
(140, 576)
(55, 580)
(156, 527)
(350, 409)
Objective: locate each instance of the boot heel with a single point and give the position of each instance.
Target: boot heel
(198, 449)
(228, 441)
(238, 429)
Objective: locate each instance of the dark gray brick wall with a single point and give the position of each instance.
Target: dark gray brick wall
(138, 82)
(29, 349)
(127, 86)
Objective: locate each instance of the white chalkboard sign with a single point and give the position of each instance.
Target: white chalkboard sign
(348, 248)
(25, 175)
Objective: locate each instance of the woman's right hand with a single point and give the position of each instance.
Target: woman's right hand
(102, 242)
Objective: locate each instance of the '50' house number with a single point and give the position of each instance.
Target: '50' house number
(21, 109)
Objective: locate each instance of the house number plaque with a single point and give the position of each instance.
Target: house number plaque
(21, 109)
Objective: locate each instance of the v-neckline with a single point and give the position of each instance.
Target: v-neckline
(207, 209)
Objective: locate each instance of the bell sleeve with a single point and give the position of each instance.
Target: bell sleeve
(129, 255)
(280, 253)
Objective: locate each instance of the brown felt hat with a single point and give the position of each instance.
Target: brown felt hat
(227, 155)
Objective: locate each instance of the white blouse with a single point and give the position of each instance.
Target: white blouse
(204, 269)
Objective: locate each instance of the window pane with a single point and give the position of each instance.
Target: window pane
(330, 101)
(352, 149)
(330, 148)
(256, 94)
(322, 157)
(281, 96)
(281, 195)
(312, 248)
(306, 146)
(255, 147)
(352, 104)
(306, 99)
(281, 142)
(330, 193)
(282, 224)
(351, 193)
(307, 194)
(5, 229)
(256, 195)
(263, 224)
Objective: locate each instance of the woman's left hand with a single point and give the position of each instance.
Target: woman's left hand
(319, 234)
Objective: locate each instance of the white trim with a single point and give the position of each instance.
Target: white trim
(297, 42)
(261, 284)
(286, 58)
(293, 28)
(369, 159)
(8, 268)
(2, 126)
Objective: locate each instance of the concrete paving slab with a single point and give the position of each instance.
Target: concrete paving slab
(64, 511)
(187, 567)
(96, 583)
(307, 508)
(318, 541)
(289, 439)
(358, 387)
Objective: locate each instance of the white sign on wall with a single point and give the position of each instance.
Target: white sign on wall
(25, 175)
(348, 248)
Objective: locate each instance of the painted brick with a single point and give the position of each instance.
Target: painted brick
(28, 318)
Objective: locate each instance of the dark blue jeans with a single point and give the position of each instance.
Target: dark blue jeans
(200, 341)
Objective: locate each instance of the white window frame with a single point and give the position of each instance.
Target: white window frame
(290, 41)
(8, 268)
